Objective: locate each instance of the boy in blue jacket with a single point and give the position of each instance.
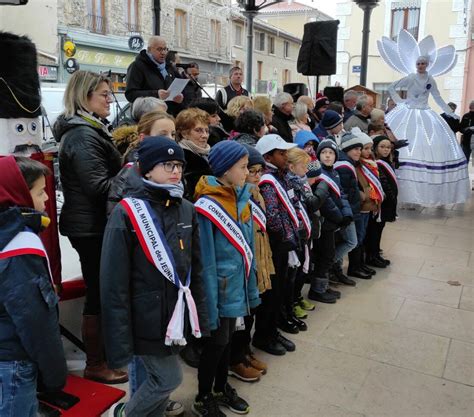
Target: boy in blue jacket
(31, 351)
(226, 232)
(337, 214)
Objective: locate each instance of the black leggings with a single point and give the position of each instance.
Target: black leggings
(215, 358)
(89, 250)
(240, 345)
(373, 237)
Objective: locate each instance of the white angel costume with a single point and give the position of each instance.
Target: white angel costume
(433, 169)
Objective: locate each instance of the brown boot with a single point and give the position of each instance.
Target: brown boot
(96, 368)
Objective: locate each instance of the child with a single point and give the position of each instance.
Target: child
(388, 179)
(330, 125)
(282, 229)
(226, 229)
(337, 214)
(150, 272)
(349, 156)
(372, 192)
(244, 364)
(308, 142)
(31, 351)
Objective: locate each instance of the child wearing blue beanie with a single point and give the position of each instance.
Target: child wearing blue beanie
(226, 231)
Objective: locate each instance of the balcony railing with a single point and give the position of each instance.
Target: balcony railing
(96, 24)
(133, 28)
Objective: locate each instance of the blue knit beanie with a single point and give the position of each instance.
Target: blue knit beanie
(156, 149)
(331, 119)
(302, 137)
(225, 154)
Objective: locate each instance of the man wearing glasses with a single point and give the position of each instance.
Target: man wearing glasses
(150, 76)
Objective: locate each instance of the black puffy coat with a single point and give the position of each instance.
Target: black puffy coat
(390, 189)
(137, 301)
(196, 167)
(349, 183)
(335, 208)
(88, 160)
(280, 122)
(144, 79)
(127, 180)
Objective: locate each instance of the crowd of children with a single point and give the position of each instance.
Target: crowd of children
(226, 265)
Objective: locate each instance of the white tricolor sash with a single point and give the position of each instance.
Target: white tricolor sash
(345, 164)
(332, 184)
(26, 243)
(258, 215)
(389, 170)
(213, 211)
(373, 181)
(282, 195)
(128, 165)
(158, 252)
(304, 219)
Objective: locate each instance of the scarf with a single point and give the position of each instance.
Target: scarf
(192, 147)
(161, 67)
(175, 190)
(94, 121)
(373, 167)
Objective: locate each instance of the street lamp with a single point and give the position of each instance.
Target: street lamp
(250, 9)
(366, 6)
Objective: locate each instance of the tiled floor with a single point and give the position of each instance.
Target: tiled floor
(399, 345)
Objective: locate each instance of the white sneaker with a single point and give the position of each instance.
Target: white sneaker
(174, 408)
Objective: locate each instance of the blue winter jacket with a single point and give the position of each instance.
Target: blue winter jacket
(228, 292)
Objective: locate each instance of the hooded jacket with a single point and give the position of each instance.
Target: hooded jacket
(229, 293)
(88, 160)
(137, 301)
(390, 189)
(349, 183)
(29, 328)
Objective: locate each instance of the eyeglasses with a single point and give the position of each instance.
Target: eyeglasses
(106, 95)
(255, 172)
(201, 130)
(170, 166)
(162, 49)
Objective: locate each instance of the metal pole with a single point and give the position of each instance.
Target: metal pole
(248, 70)
(157, 14)
(365, 43)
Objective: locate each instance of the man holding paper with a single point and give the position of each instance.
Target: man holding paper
(149, 76)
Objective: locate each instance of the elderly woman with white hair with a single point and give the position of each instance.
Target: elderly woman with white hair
(282, 115)
(301, 118)
(144, 105)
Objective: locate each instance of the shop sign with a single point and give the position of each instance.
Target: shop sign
(48, 72)
(104, 58)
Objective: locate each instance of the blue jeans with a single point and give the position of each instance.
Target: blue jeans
(361, 223)
(349, 242)
(163, 376)
(136, 374)
(18, 389)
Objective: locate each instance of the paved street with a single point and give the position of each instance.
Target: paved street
(399, 345)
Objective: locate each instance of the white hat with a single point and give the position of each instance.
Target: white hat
(268, 143)
(364, 138)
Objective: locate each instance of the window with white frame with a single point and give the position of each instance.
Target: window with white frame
(286, 49)
(216, 36)
(259, 41)
(131, 20)
(405, 15)
(180, 28)
(238, 35)
(271, 45)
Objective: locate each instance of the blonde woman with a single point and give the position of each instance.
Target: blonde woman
(235, 106)
(88, 160)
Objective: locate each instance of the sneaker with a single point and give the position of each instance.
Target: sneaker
(245, 372)
(229, 398)
(207, 407)
(306, 305)
(257, 363)
(299, 312)
(337, 294)
(324, 297)
(117, 410)
(174, 408)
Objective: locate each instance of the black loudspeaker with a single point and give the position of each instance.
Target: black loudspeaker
(317, 54)
(296, 90)
(334, 94)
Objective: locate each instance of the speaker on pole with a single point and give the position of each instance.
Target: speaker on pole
(318, 50)
(296, 90)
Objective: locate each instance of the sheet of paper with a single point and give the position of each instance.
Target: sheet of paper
(176, 88)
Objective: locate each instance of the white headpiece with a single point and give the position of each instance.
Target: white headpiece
(403, 54)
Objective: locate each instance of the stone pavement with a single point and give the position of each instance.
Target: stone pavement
(399, 345)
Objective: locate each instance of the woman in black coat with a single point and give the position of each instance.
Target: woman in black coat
(88, 160)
